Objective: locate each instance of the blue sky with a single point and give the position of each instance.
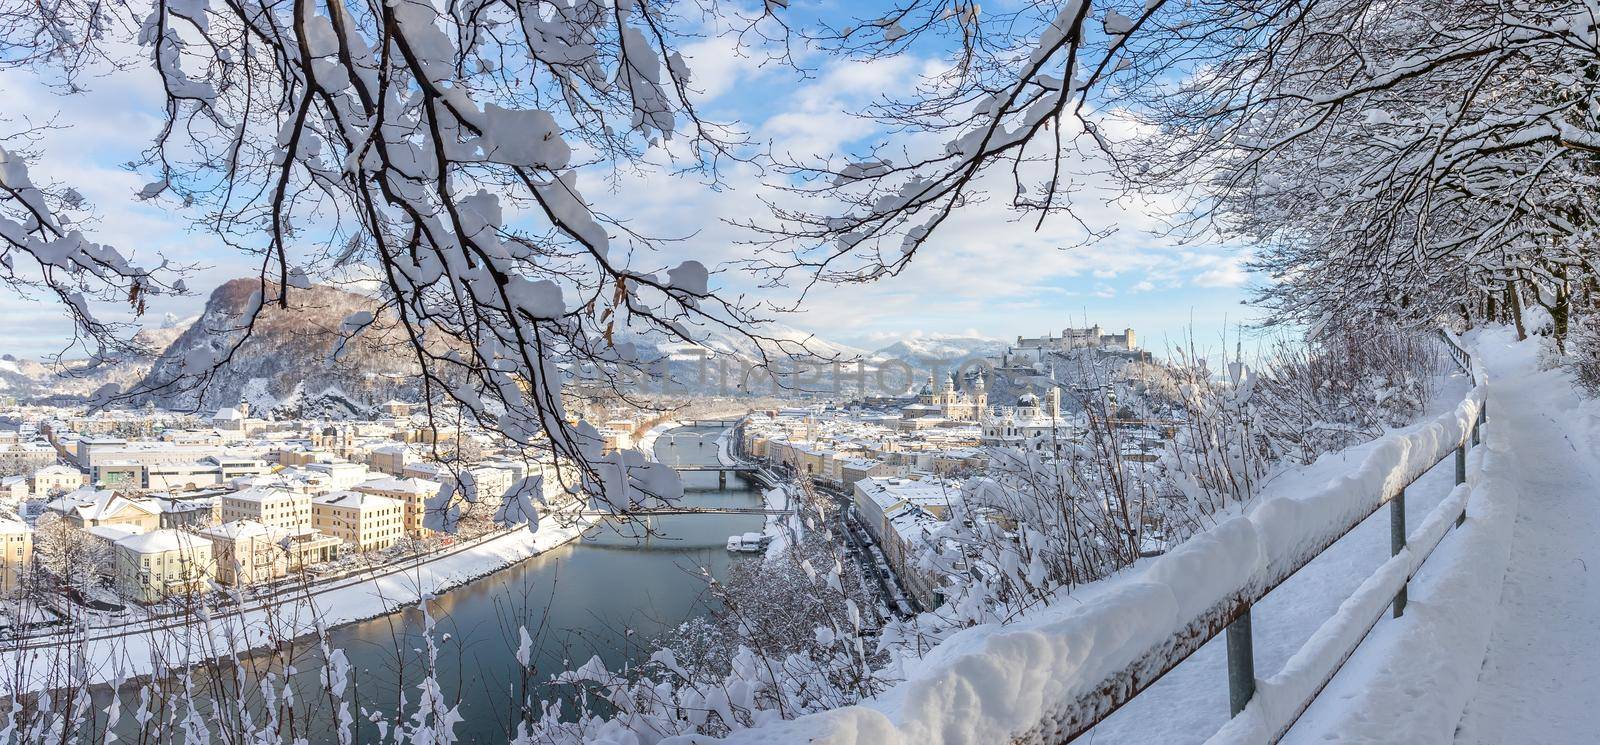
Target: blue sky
(985, 274)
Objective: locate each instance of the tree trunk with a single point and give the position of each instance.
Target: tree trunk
(1514, 305)
(1561, 314)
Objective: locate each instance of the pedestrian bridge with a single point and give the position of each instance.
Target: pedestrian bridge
(721, 471)
(729, 422)
(652, 511)
(709, 467)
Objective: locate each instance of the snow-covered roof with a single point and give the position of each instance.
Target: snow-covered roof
(163, 541)
(244, 529)
(262, 494)
(357, 500)
(227, 414)
(183, 505)
(113, 533)
(391, 484)
(925, 493)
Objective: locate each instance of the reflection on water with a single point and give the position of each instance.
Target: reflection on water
(606, 595)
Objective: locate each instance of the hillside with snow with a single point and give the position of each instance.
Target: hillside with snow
(284, 363)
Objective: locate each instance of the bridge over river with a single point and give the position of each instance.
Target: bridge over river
(688, 511)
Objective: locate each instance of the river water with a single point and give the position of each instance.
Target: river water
(607, 594)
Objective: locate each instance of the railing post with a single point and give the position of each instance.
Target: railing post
(1397, 542)
(1461, 478)
(1241, 663)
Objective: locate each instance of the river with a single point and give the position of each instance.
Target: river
(606, 594)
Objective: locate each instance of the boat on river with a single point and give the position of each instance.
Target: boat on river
(748, 543)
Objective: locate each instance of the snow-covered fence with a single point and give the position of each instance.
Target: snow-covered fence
(1053, 676)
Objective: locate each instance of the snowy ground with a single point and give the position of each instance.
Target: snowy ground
(1190, 703)
(991, 680)
(1497, 645)
(132, 653)
(1540, 682)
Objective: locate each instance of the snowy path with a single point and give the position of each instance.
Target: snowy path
(1540, 682)
(1190, 703)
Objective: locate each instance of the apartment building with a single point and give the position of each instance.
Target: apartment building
(25, 457)
(370, 522)
(247, 552)
(14, 489)
(413, 495)
(391, 459)
(268, 505)
(52, 480)
(903, 515)
(93, 451)
(159, 564)
(341, 475)
(186, 513)
(16, 554)
(207, 472)
(89, 508)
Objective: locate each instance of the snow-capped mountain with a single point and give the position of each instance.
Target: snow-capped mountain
(777, 338)
(942, 348)
(284, 365)
(29, 379)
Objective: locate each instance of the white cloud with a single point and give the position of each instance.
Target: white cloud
(986, 272)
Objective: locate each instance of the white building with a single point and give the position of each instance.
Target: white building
(1029, 425)
(158, 564)
(270, 506)
(367, 521)
(341, 475)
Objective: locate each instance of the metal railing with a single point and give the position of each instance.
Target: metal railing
(1233, 614)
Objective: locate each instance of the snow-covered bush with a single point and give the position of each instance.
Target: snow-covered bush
(1343, 386)
(1583, 356)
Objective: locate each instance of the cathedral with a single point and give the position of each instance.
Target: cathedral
(949, 403)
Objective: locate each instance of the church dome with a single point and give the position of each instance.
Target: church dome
(1028, 400)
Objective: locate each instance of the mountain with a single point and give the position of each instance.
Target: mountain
(719, 340)
(940, 348)
(285, 363)
(284, 366)
(27, 379)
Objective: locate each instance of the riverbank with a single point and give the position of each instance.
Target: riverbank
(647, 442)
(142, 649)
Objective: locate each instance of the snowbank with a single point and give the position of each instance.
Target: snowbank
(725, 448)
(782, 528)
(1417, 694)
(132, 653)
(1021, 681)
(647, 443)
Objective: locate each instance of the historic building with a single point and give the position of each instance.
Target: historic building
(949, 403)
